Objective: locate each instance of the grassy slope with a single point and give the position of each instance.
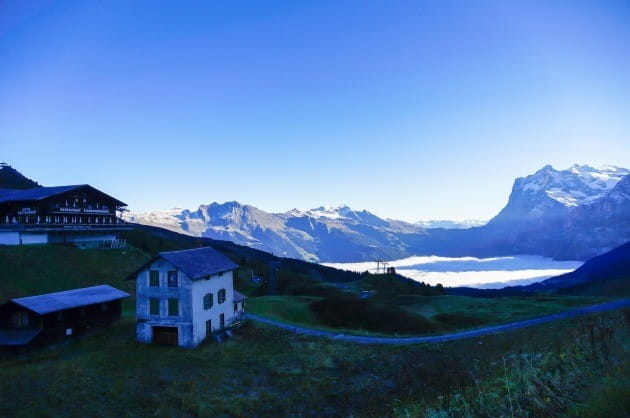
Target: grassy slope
(32, 270)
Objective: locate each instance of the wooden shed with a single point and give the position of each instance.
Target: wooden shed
(56, 316)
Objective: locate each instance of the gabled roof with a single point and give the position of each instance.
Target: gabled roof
(199, 262)
(239, 297)
(59, 301)
(39, 193)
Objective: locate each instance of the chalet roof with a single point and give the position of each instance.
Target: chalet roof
(59, 301)
(239, 297)
(199, 262)
(39, 193)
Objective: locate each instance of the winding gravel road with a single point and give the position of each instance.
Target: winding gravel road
(602, 307)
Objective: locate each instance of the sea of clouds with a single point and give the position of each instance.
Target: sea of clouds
(486, 273)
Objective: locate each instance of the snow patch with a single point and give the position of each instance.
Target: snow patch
(577, 185)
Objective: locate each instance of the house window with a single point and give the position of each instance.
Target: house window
(172, 278)
(235, 307)
(154, 278)
(208, 327)
(221, 296)
(222, 321)
(173, 307)
(208, 301)
(154, 306)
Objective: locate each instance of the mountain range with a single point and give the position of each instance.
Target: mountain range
(321, 234)
(575, 213)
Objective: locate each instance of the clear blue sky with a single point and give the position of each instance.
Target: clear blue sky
(413, 110)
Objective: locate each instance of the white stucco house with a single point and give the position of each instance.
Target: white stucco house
(183, 297)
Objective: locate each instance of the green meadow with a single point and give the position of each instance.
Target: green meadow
(577, 367)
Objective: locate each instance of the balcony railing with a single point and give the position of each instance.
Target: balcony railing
(67, 225)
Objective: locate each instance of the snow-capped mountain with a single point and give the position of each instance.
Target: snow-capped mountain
(603, 224)
(552, 193)
(545, 209)
(322, 234)
(575, 213)
(578, 185)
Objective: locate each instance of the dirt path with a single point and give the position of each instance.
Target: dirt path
(603, 307)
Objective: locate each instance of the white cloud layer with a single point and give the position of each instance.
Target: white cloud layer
(488, 273)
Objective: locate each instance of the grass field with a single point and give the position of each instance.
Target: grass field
(577, 367)
(486, 311)
(446, 313)
(290, 309)
(572, 367)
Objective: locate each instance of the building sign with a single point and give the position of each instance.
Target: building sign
(80, 210)
(71, 210)
(27, 211)
(102, 211)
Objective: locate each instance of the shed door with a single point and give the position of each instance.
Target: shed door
(165, 335)
(19, 319)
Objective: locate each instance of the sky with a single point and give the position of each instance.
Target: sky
(412, 110)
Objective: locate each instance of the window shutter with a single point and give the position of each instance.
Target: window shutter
(154, 306)
(207, 301)
(154, 278)
(173, 307)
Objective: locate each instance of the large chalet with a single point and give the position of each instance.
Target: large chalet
(77, 214)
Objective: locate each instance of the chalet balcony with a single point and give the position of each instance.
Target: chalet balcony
(119, 225)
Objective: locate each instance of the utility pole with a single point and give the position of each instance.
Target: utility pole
(273, 269)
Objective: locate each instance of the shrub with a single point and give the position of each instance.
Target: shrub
(352, 312)
(459, 319)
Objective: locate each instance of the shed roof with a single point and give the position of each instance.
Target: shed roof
(59, 301)
(199, 262)
(39, 193)
(239, 297)
(15, 337)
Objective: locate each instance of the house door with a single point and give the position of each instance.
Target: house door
(222, 320)
(165, 335)
(208, 327)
